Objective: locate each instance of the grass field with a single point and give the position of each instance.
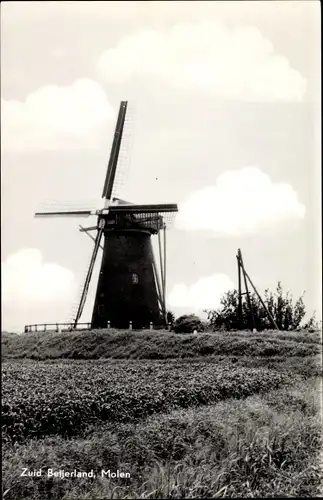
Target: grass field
(187, 416)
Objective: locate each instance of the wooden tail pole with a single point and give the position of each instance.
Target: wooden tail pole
(89, 275)
(247, 291)
(159, 289)
(262, 302)
(161, 265)
(90, 235)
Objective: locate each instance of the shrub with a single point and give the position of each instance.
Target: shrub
(187, 324)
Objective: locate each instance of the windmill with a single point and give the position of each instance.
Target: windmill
(129, 288)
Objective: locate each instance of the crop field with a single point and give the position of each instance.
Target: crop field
(181, 416)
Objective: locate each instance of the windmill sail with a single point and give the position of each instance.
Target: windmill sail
(113, 161)
(66, 213)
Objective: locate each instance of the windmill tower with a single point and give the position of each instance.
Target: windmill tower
(129, 288)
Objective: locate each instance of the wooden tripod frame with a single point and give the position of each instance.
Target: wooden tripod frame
(246, 278)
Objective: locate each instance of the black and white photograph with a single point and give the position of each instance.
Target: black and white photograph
(161, 251)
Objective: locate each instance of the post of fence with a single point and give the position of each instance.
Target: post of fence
(109, 324)
(130, 325)
(151, 326)
(26, 329)
(36, 328)
(169, 326)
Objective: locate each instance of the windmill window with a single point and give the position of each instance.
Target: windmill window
(135, 278)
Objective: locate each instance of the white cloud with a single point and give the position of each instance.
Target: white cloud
(230, 63)
(55, 116)
(242, 202)
(205, 293)
(34, 291)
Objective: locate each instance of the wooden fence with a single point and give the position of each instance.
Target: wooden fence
(56, 327)
(68, 327)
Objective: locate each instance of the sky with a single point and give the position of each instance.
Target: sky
(224, 120)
